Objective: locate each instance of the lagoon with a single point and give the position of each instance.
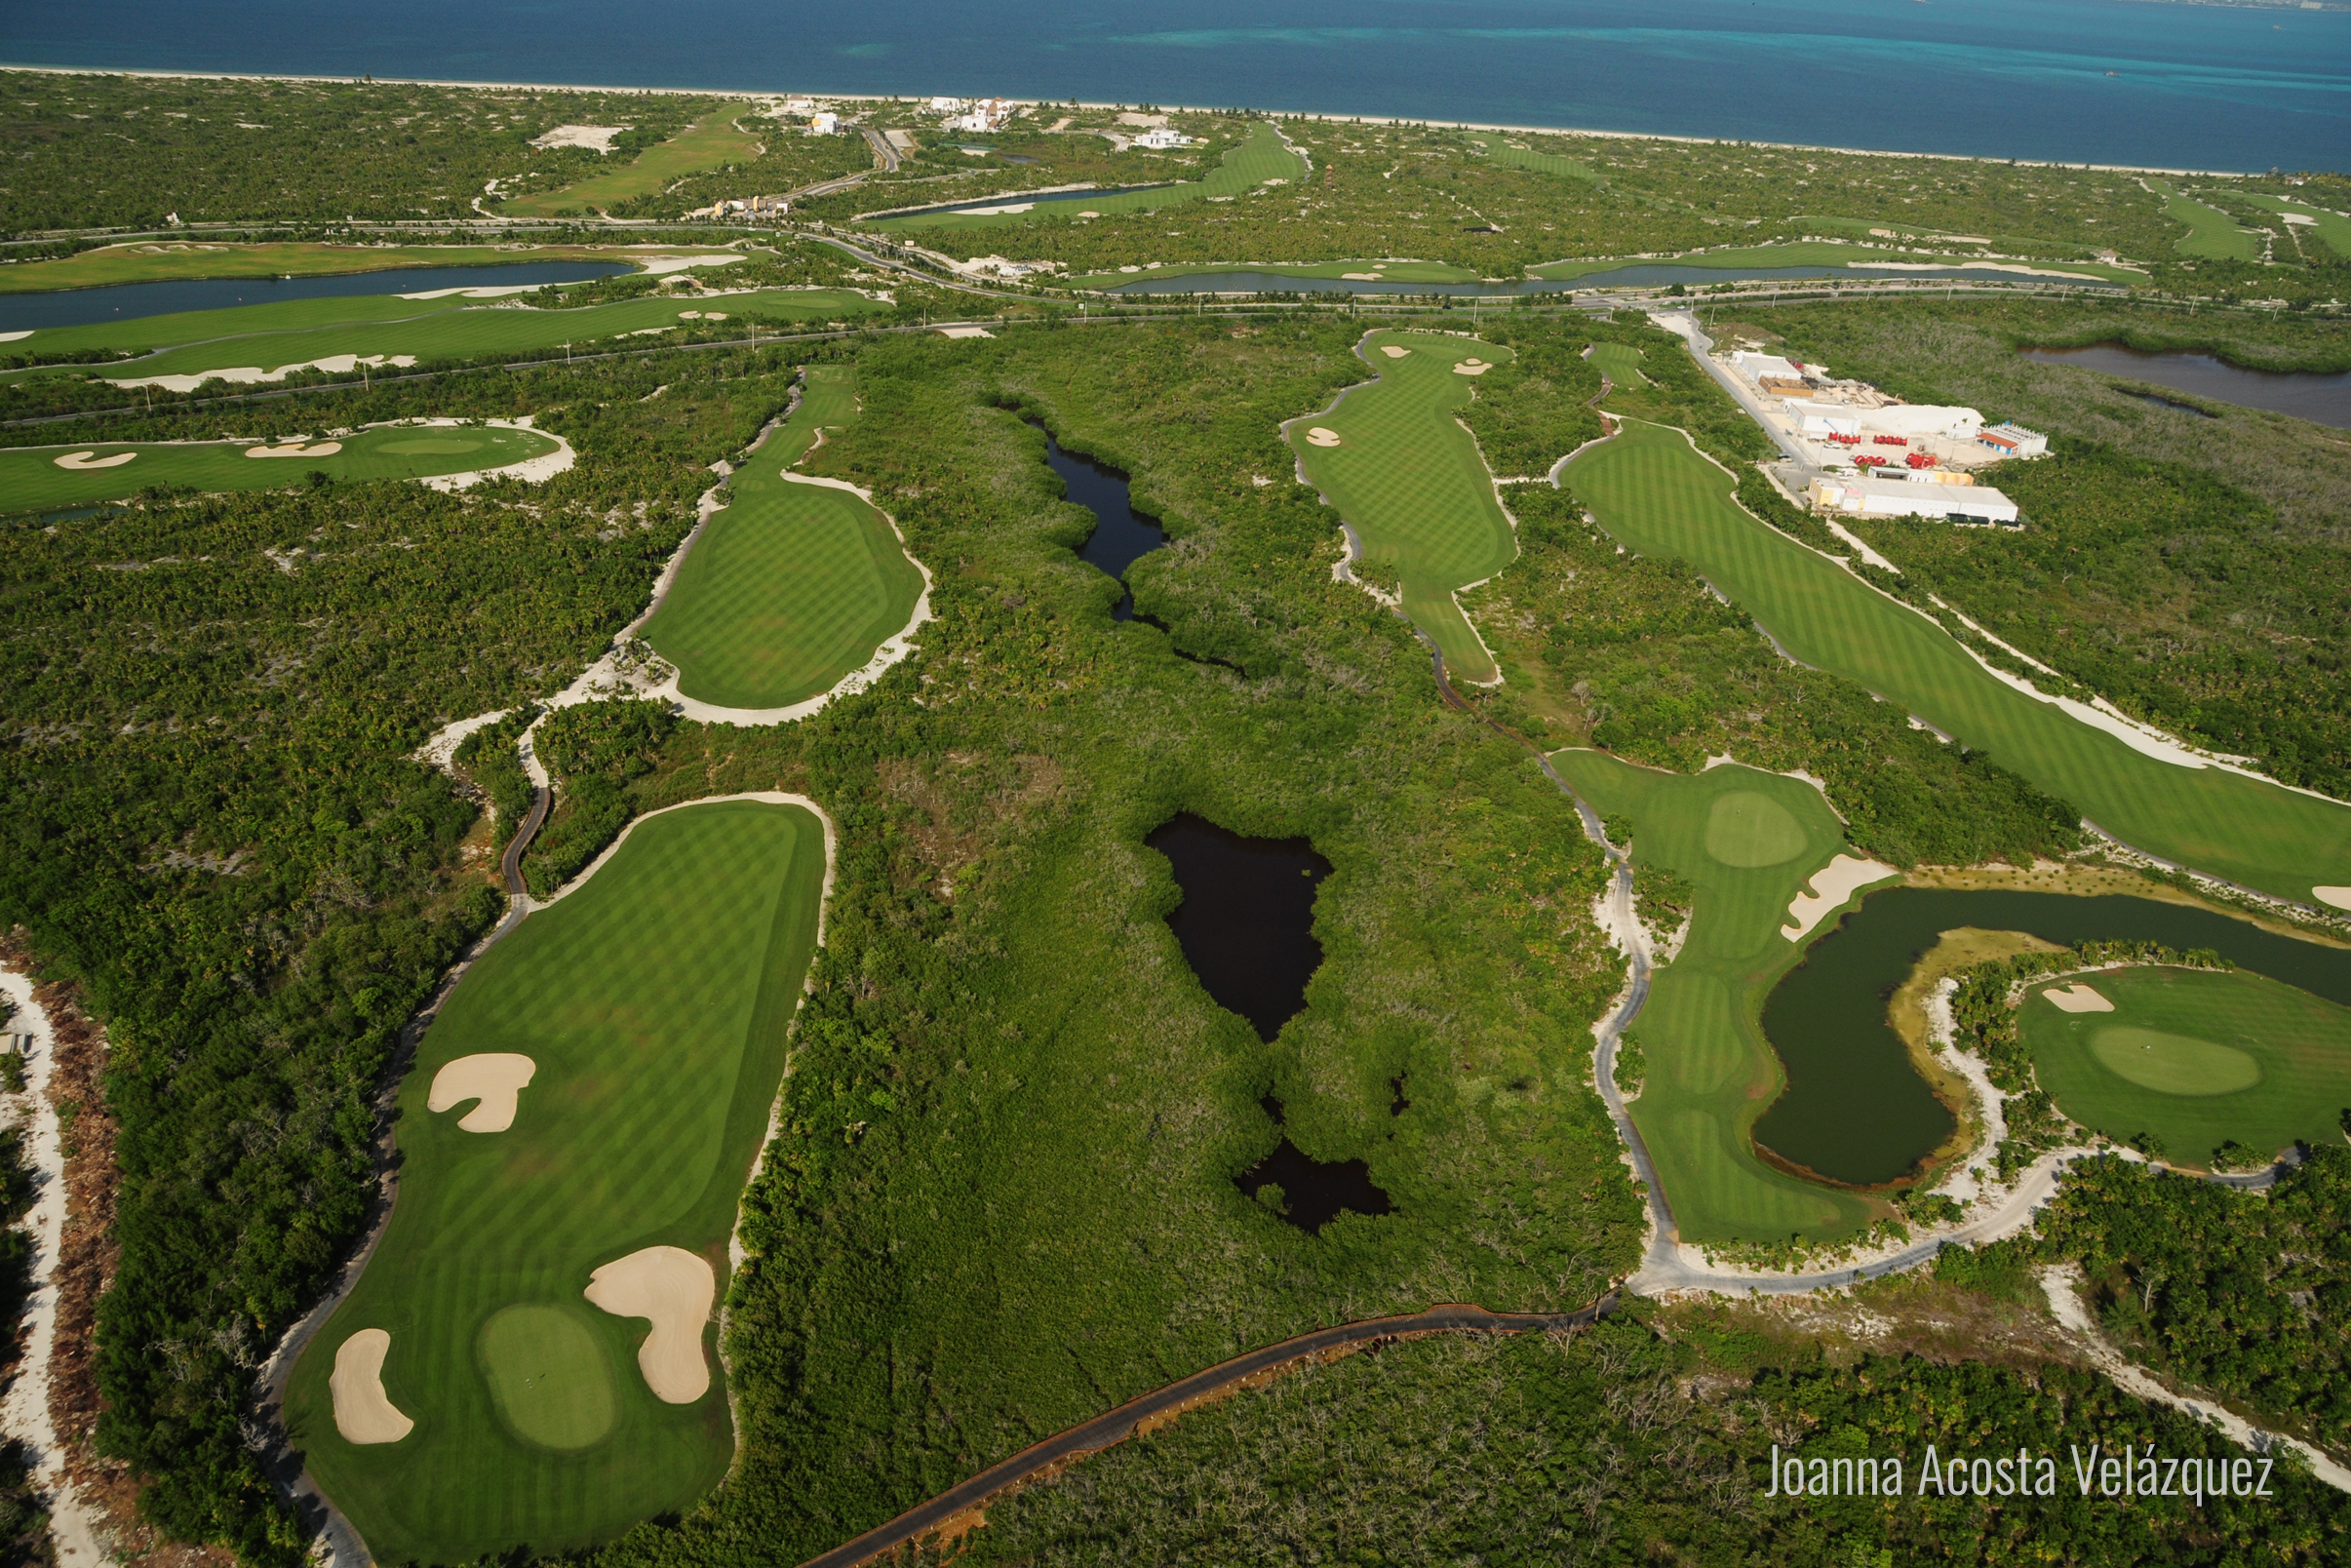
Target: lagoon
(128, 301)
(2321, 399)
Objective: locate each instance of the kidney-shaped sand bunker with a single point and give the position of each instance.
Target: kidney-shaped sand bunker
(675, 1288)
(497, 1078)
(363, 1412)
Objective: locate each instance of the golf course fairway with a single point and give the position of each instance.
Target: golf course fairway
(1748, 842)
(1655, 494)
(1407, 477)
(794, 584)
(37, 478)
(654, 1005)
(2198, 1057)
(1260, 157)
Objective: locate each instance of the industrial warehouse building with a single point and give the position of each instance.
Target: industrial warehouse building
(1899, 498)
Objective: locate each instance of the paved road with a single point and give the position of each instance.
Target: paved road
(1116, 1425)
(511, 867)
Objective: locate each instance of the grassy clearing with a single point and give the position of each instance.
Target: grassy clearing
(1392, 271)
(1621, 362)
(1657, 496)
(655, 1002)
(2331, 226)
(30, 479)
(1505, 156)
(793, 585)
(1749, 841)
(296, 332)
(2198, 1057)
(174, 260)
(2213, 235)
(1410, 480)
(1262, 157)
(710, 142)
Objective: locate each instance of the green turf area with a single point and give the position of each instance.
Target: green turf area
(2198, 1057)
(2331, 226)
(1657, 496)
(296, 331)
(1621, 362)
(1245, 168)
(1505, 156)
(1411, 481)
(2213, 235)
(792, 585)
(1392, 271)
(166, 260)
(711, 142)
(654, 1003)
(1749, 841)
(1815, 254)
(30, 479)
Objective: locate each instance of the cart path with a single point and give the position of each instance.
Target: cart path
(1116, 1425)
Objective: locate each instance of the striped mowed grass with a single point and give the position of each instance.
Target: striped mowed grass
(792, 585)
(1409, 478)
(654, 1003)
(296, 332)
(31, 479)
(1655, 494)
(1259, 156)
(1748, 842)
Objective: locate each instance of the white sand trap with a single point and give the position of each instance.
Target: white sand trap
(714, 315)
(965, 331)
(1089, 215)
(1832, 885)
(662, 265)
(673, 1287)
(1319, 437)
(325, 449)
(690, 315)
(79, 461)
(2339, 897)
(1393, 351)
(594, 138)
(1472, 365)
(363, 1412)
(497, 1078)
(2078, 999)
(15, 337)
(1368, 277)
(334, 364)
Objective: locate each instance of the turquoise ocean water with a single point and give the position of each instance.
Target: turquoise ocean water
(2142, 82)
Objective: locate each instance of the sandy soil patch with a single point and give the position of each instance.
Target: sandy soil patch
(1830, 885)
(662, 265)
(2339, 897)
(965, 331)
(1368, 277)
(2078, 999)
(80, 460)
(325, 449)
(1317, 435)
(1472, 365)
(497, 1078)
(332, 364)
(363, 1412)
(1390, 349)
(674, 1289)
(594, 138)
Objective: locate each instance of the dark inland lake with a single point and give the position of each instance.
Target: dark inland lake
(1120, 538)
(2320, 397)
(128, 301)
(1854, 1110)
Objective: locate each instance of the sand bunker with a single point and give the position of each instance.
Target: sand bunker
(79, 461)
(15, 337)
(337, 364)
(1319, 437)
(363, 1412)
(1367, 277)
(1832, 885)
(1393, 351)
(690, 315)
(2078, 999)
(2339, 897)
(674, 1289)
(325, 449)
(714, 315)
(594, 138)
(1472, 365)
(497, 1078)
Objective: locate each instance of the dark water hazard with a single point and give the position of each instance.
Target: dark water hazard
(1120, 538)
(2304, 394)
(1014, 198)
(128, 301)
(1246, 925)
(1854, 1110)
(1644, 275)
(1313, 1192)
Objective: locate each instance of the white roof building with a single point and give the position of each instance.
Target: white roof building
(946, 105)
(825, 123)
(1915, 421)
(2013, 439)
(1159, 138)
(1898, 497)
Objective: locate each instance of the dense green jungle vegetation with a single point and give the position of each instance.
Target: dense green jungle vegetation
(1630, 1445)
(592, 751)
(2188, 566)
(124, 151)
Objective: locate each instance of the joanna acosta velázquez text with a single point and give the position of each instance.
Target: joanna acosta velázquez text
(2131, 1472)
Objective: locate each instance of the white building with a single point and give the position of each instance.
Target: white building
(1158, 139)
(985, 115)
(946, 105)
(824, 123)
(1899, 497)
(2013, 439)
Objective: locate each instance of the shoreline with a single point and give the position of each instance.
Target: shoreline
(1176, 108)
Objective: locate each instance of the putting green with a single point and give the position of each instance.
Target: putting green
(32, 478)
(2198, 1057)
(1710, 1071)
(1409, 479)
(1748, 829)
(548, 1375)
(300, 332)
(654, 1003)
(1261, 156)
(1656, 494)
(792, 585)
